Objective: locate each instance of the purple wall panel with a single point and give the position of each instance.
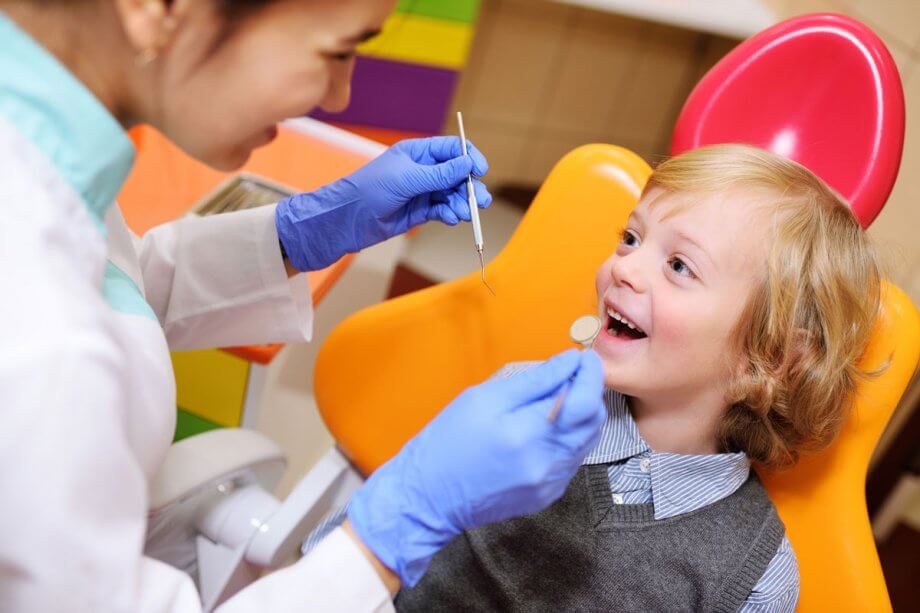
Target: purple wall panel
(397, 95)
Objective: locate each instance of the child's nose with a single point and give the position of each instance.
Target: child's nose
(626, 271)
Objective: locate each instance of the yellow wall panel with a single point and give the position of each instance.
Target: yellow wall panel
(421, 40)
(211, 384)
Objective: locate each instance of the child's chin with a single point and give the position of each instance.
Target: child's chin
(614, 379)
(627, 381)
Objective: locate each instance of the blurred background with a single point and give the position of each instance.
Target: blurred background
(535, 79)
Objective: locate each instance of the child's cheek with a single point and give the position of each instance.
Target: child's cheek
(691, 337)
(672, 325)
(603, 279)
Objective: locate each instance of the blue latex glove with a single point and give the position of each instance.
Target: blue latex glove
(490, 455)
(414, 181)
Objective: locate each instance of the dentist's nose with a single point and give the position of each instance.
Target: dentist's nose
(339, 93)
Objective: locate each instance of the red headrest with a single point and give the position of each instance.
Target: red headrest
(820, 89)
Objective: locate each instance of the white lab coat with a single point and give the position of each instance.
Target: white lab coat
(87, 395)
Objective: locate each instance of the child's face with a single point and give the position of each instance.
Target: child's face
(681, 275)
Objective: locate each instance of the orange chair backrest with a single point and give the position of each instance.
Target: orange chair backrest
(385, 371)
(822, 500)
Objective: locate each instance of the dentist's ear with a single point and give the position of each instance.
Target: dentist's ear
(149, 25)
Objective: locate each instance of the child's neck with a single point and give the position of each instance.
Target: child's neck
(679, 426)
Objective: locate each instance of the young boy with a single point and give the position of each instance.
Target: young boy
(735, 309)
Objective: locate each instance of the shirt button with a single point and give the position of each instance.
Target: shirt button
(618, 499)
(645, 465)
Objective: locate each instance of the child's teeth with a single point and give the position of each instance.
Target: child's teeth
(621, 319)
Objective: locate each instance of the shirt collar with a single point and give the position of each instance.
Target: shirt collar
(62, 118)
(620, 438)
(680, 483)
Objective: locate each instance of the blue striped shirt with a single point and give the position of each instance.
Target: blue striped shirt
(672, 483)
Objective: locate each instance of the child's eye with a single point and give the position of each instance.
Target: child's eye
(680, 267)
(343, 56)
(629, 238)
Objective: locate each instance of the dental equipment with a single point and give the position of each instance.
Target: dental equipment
(213, 513)
(474, 208)
(582, 331)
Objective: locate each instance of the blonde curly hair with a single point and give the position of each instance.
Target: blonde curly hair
(808, 319)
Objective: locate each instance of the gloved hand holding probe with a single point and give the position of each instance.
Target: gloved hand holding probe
(413, 182)
(490, 455)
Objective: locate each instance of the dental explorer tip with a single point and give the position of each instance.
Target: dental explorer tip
(482, 271)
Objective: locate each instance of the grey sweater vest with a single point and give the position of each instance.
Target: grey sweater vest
(584, 553)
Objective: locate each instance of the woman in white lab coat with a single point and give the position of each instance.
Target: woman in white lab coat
(88, 312)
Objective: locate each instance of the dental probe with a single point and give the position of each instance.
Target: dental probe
(582, 331)
(474, 207)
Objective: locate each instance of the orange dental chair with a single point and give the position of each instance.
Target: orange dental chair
(457, 334)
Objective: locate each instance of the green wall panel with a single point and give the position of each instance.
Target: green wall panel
(188, 425)
(454, 10)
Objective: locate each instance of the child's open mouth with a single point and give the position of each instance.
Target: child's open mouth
(620, 327)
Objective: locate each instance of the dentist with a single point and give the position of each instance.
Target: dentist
(88, 312)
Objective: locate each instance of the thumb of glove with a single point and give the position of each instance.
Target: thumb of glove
(444, 176)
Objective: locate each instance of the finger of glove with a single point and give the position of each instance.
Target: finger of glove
(538, 382)
(483, 195)
(583, 409)
(419, 149)
(480, 163)
(459, 204)
(435, 149)
(444, 148)
(579, 448)
(444, 213)
(444, 176)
